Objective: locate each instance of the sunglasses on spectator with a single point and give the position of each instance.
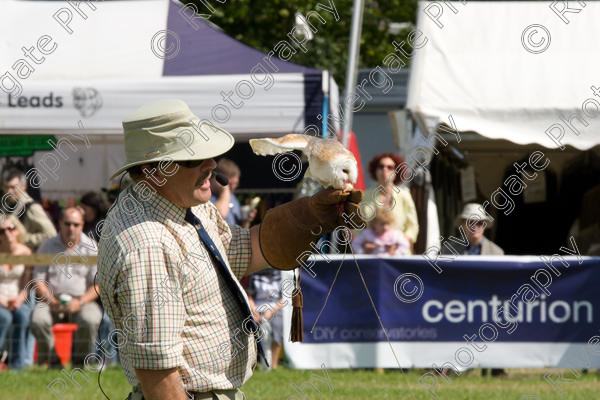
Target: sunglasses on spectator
(8, 228)
(189, 164)
(381, 166)
(72, 224)
(478, 223)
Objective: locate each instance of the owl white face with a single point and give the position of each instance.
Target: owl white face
(344, 170)
(352, 170)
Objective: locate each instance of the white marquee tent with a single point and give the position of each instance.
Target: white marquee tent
(95, 62)
(486, 65)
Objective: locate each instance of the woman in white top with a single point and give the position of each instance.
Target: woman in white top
(14, 309)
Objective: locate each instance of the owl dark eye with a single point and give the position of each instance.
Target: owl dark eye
(345, 171)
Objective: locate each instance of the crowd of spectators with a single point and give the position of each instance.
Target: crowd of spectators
(73, 294)
(65, 293)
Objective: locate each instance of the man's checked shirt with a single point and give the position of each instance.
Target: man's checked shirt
(162, 291)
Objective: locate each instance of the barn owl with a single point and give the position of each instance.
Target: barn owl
(329, 163)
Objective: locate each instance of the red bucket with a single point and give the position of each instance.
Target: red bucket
(63, 341)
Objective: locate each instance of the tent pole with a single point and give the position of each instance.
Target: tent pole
(352, 66)
(325, 88)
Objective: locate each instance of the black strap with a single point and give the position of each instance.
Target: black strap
(227, 276)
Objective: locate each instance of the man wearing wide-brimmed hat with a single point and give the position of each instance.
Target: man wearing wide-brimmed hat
(474, 222)
(169, 265)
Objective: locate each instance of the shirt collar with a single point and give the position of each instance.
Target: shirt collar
(469, 247)
(155, 205)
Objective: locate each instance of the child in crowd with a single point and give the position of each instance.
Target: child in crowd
(380, 238)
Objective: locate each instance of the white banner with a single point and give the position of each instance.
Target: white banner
(449, 320)
(274, 106)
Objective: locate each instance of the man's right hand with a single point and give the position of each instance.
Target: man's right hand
(161, 384)
(55, 304)
(73, 306)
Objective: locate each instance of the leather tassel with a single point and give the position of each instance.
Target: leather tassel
(297, 328)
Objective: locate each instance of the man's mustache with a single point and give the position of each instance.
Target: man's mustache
(203, 177)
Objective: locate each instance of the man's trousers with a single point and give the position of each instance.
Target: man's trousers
(87, 320)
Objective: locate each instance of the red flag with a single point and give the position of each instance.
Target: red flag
(353, 147)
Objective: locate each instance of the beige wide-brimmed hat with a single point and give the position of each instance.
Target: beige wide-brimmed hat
(473, 211)
(168, 130)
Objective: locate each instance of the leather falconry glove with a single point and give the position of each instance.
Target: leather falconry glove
(288, 230)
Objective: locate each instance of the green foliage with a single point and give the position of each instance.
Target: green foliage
(262, 24)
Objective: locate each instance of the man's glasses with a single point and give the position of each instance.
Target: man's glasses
(9, 228)
(76, 225)
(189, 164)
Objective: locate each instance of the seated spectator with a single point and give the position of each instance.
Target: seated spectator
(266, 301)
(224, 198)
(15, 311)
(477, 243)
(380, 238)
(38, 225)
(94, 211)
(474, 222)
(76, 281)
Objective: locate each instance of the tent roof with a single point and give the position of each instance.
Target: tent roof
(476, 68)
(105, 59)
(104, 45)
(218, 53)
(96, 49)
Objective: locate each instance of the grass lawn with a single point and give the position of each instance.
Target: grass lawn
(347, 385)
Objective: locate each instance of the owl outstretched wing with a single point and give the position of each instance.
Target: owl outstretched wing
(330, 164)
(271, 146)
